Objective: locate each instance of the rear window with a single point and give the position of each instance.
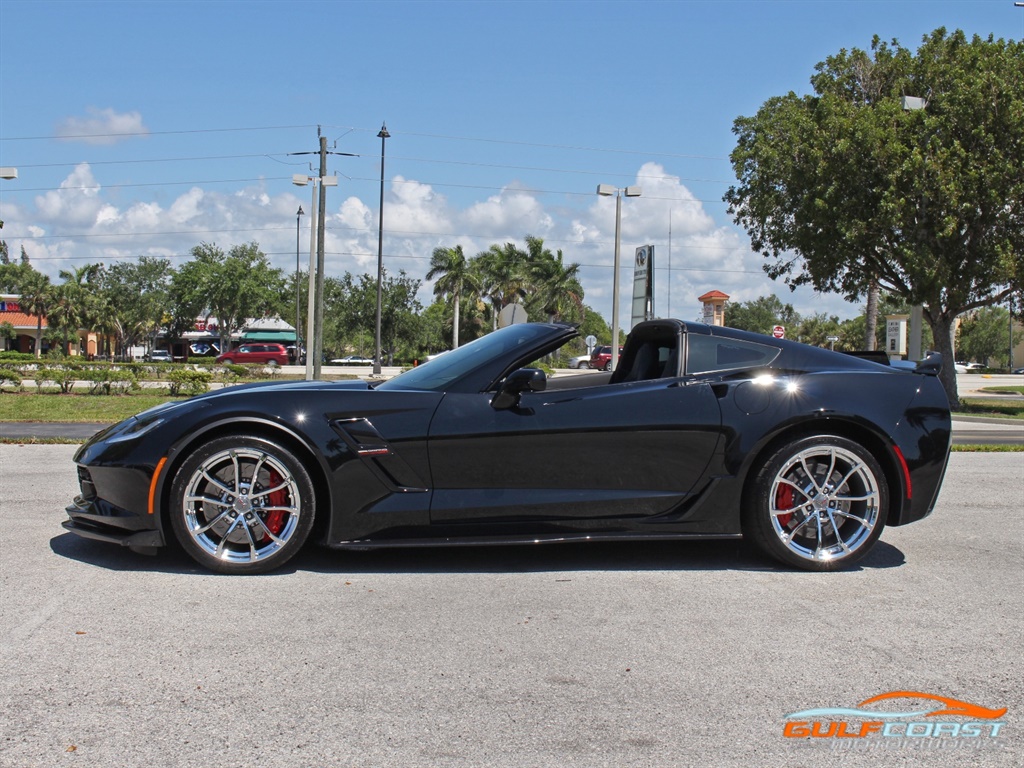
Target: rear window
(711, 353)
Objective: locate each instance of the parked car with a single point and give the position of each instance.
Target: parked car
(352, 360)
(601, 359)
(268, 354)
(805, 452)
(159, 356)
(975, 367)
(580, 361)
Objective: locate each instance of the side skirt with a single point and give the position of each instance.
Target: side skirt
(551, 538)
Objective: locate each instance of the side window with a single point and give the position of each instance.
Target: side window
(245, 348)
(711, 353)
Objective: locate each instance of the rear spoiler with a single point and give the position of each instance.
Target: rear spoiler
(931, 365)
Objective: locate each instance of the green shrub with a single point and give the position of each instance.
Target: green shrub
(108, 380)
(238, 371)
(10, 377)
(186, 381)
(63, 376)
(10, 356)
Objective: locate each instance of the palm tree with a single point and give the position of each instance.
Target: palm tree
(455, 279)
(74, 304)
(35, 291)
(503, 274)
(556, 287)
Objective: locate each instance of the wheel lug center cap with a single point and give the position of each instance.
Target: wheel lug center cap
(242, 505)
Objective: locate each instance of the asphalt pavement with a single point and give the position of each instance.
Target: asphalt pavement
(575, 656)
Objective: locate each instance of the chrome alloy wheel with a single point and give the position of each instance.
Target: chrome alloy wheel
(825, 503)
(241, 505)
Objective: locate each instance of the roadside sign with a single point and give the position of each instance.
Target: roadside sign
(779, 331)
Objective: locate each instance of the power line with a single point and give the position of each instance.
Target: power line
(127, 134)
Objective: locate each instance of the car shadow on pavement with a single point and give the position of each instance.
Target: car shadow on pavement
(686, 555)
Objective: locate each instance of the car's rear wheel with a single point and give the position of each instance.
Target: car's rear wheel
(818, 503)
(242, 505)
(272, 363)
(607, 366)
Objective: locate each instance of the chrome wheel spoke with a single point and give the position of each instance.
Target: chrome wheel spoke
(270, 534)
(266, 491)
(216, 481)
(206, 500)
(872, 496)
(204, 528)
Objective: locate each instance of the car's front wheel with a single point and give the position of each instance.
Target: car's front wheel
(242, 505)
(818, 503)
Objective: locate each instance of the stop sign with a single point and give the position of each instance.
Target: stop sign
(779, 331)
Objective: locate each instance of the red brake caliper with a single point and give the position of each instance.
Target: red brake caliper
(275, 518)
(784, 500)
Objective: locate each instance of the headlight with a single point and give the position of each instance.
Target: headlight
(144, 422)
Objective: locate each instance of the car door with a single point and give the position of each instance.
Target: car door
(613, 452)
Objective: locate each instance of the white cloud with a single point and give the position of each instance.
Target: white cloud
(101, 126)
(82, 221)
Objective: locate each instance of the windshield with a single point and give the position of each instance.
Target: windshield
(506, 344)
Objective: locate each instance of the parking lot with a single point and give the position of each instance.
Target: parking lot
(672, 654)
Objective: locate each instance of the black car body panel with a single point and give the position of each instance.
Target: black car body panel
(665, 446)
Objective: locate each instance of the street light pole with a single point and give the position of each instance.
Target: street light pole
(383, 136)
(606, 190)
(298, 344)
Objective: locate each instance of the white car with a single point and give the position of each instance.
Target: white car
(580, 361)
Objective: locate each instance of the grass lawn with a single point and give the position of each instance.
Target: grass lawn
(1007, 390)
(1003, 409)
(106, 409)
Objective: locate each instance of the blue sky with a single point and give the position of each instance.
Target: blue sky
(148, 127)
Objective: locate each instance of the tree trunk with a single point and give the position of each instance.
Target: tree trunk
(871, 326)
(942, 326)
(455, 324)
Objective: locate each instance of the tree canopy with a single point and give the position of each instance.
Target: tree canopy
(847, 186)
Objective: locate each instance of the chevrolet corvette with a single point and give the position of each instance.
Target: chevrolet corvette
(700, 432)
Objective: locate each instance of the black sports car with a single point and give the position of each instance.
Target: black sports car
(700, 432)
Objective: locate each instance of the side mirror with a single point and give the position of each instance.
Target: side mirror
(517, 382)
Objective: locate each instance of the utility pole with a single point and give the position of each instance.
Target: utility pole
(318, 320)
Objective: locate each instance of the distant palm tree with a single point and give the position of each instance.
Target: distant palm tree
(74, 304)
(556, 286)
(455, 278)
(503, 274)
(35, 292)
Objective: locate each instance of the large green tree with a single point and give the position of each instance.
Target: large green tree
(232, 287)
(847, 186)
(399, 311)
(135, 299)
(986, 336)
(761, 315)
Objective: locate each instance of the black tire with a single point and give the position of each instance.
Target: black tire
(607, 366)
(584, 364)
(229, 521)
(818, 503)
(272, 363)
